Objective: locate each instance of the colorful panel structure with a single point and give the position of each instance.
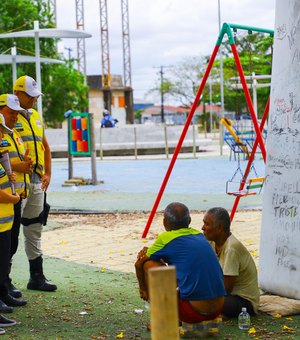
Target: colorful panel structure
(80, 144)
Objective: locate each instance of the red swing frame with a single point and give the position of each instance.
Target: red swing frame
(226, 29)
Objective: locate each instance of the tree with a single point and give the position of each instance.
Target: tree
(255, 52)
(62, 85)
(65, 91)
(183, 80)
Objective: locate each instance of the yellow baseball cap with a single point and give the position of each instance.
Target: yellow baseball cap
(11, 101)
(28, 85)
(2, 122)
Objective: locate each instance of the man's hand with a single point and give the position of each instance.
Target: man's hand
(45, 182)
(28, 163)
(23, 194)
(144, 294)
(25, 167)
(12, 177)
(16, 198)
(141, 254)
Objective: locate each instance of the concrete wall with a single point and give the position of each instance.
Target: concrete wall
(124, 139)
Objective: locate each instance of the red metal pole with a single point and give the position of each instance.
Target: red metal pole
(180, 141)
(249, 101)
(251, 158)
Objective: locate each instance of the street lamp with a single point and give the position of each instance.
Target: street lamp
(38, 33)
(15, 59)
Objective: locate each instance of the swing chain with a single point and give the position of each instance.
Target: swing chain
(238, 169)
(254, 170)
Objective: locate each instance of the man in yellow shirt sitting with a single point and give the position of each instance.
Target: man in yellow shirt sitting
(239, 270)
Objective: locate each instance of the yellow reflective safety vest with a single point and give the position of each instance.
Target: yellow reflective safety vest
(14, 145)
(6, 209)
(31, 129)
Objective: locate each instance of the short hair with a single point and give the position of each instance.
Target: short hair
(221, 217)
(178, 215)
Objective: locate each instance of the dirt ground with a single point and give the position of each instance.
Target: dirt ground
(111, 241)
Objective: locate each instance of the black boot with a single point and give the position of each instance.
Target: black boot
(4, 308)
(13, 302)
(12, 290)
(37, 279)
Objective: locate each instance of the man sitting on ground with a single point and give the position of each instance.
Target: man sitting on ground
(199, 275)
(240, 274)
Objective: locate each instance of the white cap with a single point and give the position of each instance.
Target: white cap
(11, 101)
(2, 122)
(28, 85)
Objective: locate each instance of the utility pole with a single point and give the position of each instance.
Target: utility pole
(69, 52)
(162, 111)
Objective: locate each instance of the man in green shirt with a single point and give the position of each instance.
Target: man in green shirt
(239, 270)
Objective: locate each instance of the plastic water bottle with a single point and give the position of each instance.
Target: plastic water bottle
(244, 319)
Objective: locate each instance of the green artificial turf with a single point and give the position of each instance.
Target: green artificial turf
(95, 304)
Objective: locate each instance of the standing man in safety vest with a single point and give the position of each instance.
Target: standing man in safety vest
(31, 128)
(21, 164)
(7, 201)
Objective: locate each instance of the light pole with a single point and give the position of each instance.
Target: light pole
(162, 94)
(38, 33)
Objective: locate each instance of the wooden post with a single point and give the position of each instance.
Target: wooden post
(70, 157)
(166, 141)
(164, 304)
(93, 150)
(135, 143)
(194, 141)
(101, 146)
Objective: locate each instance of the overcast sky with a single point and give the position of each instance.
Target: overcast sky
(162, 32)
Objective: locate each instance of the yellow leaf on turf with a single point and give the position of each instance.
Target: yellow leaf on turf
(287, 328)
(252, 330)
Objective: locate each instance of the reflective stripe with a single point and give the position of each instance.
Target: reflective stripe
(6, 209)
(31, 129)
(40, 167)
(6, 219)
(16, 149)
(31, 139)
(13, 154)
(5, 185)
(19, 185)
(27, 138)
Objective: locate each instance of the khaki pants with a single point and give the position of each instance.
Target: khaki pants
(31, 208)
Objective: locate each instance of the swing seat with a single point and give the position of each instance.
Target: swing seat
(252, 184)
